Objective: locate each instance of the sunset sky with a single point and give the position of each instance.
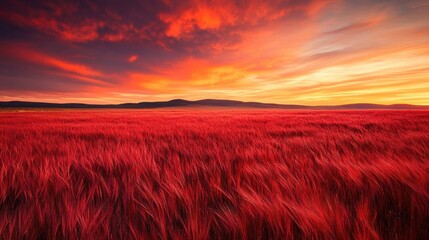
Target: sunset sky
(313, 52)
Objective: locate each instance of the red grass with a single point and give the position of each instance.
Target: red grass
(214, 174)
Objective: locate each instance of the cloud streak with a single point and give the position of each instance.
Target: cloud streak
(24, 53)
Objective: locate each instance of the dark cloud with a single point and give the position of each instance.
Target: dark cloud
(78, 21)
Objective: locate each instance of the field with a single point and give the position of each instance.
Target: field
(214, 174)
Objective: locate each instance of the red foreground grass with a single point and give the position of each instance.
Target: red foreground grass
(214, 175)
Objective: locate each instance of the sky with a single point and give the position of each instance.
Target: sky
(312, 52)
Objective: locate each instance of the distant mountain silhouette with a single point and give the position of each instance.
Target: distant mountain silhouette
(204, 103)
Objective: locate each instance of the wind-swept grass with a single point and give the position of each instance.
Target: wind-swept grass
(214, 175)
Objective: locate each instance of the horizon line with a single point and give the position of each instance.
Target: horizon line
(178, 102)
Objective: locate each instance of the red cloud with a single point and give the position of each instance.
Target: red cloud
(74, 70)
(83, 22)
(82, 32)
(133, 58)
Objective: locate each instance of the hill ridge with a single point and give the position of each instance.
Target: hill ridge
(205, 103)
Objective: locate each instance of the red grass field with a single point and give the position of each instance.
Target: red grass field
(214, 174)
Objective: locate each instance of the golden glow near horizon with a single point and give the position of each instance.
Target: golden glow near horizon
(319, 52)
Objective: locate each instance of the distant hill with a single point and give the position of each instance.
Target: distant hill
(204, 103)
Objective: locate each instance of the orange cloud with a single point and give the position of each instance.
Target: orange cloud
(209, 15)
(201, 17)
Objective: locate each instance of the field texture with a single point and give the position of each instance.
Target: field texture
(214, 174)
